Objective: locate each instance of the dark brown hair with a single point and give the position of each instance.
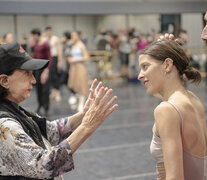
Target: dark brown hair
(160, 50)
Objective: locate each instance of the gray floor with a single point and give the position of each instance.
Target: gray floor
(119, 149)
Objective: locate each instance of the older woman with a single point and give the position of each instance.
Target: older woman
(179, 142)
(32, 147)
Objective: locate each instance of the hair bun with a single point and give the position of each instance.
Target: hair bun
(192, 74)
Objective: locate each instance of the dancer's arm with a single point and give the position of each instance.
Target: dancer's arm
(169, 129)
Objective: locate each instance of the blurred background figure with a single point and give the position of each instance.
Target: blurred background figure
(103, 41)
(7, 38)
(56, 67)
(132, 69)
(142, 43)
(23, 42)
(66, 47)
(183, 41)
(78, 78)
(41, 50)
(124, 50)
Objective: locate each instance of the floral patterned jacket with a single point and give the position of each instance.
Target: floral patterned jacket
(21, 156)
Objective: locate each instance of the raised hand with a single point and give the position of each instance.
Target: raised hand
(100, 108)
(97, 108)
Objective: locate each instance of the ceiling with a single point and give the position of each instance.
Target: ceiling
(97, 7)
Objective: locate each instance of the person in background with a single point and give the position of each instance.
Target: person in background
(183, 41)
(124, 51)
(31, 146)
(78, 77)
(56, 67)
(66, 47)
(179, 142)
(7, 38)
(24, 42)
(41, 50)
(103, 41)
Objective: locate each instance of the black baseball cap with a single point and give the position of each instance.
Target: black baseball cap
(13, 56)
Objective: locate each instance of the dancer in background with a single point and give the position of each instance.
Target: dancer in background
(41, 50)
(7, 38)
(56, 67)
(78, 78)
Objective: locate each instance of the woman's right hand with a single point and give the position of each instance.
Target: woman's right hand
(100, 108)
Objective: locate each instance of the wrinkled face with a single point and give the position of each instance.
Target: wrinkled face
(151, 74)
(204, 32)
(20, 85)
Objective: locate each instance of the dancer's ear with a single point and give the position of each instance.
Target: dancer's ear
(168, 65)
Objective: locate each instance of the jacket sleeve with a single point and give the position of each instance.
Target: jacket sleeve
(21, 156)
(55, 130)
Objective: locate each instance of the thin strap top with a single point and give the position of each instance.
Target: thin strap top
(195, 167)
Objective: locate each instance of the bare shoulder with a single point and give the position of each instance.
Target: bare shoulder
(82, 45)
(164, 109)
(166, 118)
(196, 102)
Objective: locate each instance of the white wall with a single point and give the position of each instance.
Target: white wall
(60, 24)
(26, 23)
(193, 24)
(144, 23)
(87, 25)
(6, 24)
(111, 22)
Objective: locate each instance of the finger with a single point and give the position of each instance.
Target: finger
(110, 103)
(88, 102)
(177, 40)
(112, 109)
(166, 36)
(161, 37)
(171, 37)
(99, 96)
(100, 84)
(92, 88)
(105, 97)
(91, 94)
(93, 85)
